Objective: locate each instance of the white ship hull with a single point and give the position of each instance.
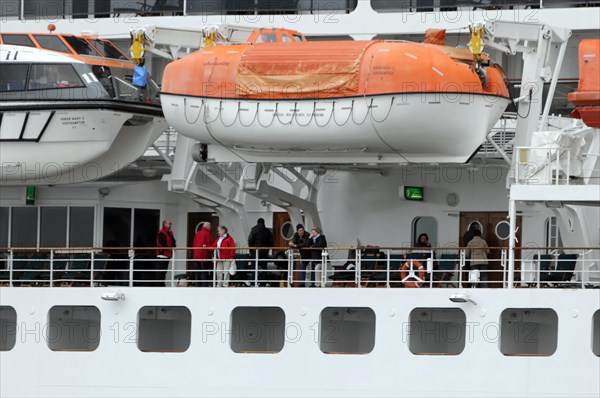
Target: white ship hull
(385, 128)
(209, 367)
(64, 143)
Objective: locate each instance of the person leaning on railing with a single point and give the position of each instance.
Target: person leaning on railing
(299, 241)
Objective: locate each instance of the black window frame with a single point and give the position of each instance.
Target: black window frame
(4, 35)
(72, 40)
(65, 50)
(32, 65)
(26, 75)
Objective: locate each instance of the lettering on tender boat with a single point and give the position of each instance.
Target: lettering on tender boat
(72, 120)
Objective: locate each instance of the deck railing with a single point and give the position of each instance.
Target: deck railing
(359, 267)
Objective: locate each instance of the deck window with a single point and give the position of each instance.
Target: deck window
(257, 330)
(52, 42)
(53, 76)
(24, 227)
(596, 333)
(107, 49)
(73, 328)
(8, 328)
(164, 329)
(347, 330)
(53, 227)
(13, 77)
(436, 331)
(17, 40)
(528, 331)
(4, 212)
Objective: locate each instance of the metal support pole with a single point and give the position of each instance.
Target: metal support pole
(512, 214)
(91, 269)
(131, 255)
(51, 267)
(387, 277)
(255, 268)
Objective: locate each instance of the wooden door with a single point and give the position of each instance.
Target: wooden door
(280, 221)
(193, 225)
(494, 229)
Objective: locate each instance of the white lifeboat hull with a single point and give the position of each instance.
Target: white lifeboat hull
(63, 146)
(421, 127)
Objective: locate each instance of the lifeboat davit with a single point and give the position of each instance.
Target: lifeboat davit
(334, 101)
(587, 96)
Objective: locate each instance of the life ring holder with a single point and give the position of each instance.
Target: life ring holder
(410, 278)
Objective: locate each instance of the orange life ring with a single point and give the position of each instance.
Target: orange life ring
(405, 273)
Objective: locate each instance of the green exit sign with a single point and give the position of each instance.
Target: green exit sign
(30, 195)
(413, 193)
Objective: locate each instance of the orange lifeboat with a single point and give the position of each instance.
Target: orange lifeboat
(336, 100)
(587, 96)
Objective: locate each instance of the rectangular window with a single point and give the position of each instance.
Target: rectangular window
(17, 40)
(73, 328)
(81, 227)
(53, 227)
(164, 329)
(51, 76)
(24, 226)
(52, 42)
(347, 330)
(4, 211)
(8, 328)
(145, 225)
(116, 227)
(107, 49)
(13, 77)
(80, 46)
(528, 331)
(257, 330)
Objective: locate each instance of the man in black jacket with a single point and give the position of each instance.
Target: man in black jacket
(261, 236)
(316, 241)
(299, 241)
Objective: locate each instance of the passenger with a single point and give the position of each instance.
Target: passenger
(225, 256)
(261, 236)
(299, 241)
(477, 251)
(202, 276)
(165, 241)
(466, 239)
(423, 242)
(316, 241)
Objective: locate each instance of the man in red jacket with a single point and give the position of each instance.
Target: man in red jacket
(202, 258)
(225, 247)
(165, 241)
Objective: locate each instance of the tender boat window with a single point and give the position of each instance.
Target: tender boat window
(80, 46)
(285, 38)
(52, 42)
(13, 77)
(164, 329)
(347, 330)
(596, 333)
(528, 331)
(436, 331)
(51, 76)
(17, 40)
(107, 49)
(257, 330)
(267, 38)
(73, 328)
(8, 328)
(298, 38)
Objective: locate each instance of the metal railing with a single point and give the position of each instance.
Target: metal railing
(359, 267)
(51, 10)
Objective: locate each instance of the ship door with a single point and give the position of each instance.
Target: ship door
(494, 228)
(193, 225)
(283, 230)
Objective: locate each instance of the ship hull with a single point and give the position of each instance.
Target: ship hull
(209, 366)
(416, 127)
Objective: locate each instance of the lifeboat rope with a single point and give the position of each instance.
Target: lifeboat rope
(312, 115)
(272, 120)
(185, 111)
(253, 120)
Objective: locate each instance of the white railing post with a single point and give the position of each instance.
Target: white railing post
(583, 265)
(358, 266)
(461, 266)
(387, 276)
(10, 267)
(538, 272)
(131, 254)
(323, 267)
(92, 269)
(290, 269)
(51, 268)
(255, 268)
(172, 261)
(512, 214)
(214, 269)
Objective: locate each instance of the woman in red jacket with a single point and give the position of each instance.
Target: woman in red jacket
(225, 256)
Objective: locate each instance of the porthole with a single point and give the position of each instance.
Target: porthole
(502, 230)
(287, 231)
